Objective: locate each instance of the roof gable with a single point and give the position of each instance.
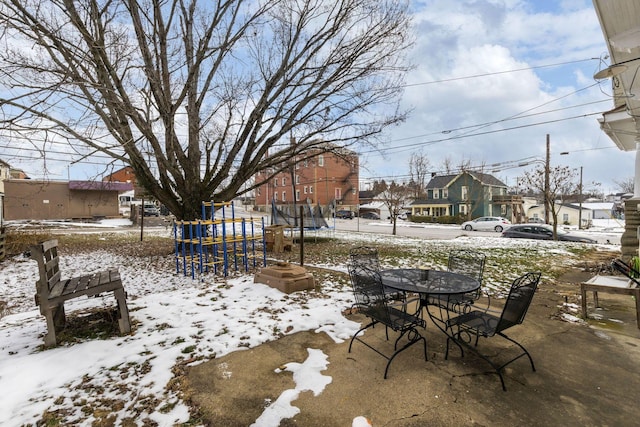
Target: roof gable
(446, 180)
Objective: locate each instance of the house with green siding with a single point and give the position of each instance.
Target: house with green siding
(470, 194)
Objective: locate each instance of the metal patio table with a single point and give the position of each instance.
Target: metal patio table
(429, 282)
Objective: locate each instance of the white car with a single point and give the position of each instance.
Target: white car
(487, 223)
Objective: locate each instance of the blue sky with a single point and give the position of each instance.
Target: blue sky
(456, 39)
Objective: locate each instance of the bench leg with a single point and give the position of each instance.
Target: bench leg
(123, 310)
(584, 302)
(55, 319)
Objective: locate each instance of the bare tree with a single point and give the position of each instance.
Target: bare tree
(447, 165)
(562, 181)
(197, 97)
(394, 196)
(419, 166)
(625, 185)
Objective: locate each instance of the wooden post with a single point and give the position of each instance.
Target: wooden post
(141, 219)
(301, 236)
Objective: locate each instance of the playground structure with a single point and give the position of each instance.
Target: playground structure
(219, 242)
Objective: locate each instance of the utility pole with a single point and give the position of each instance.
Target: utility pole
(547, 171)
(580, 203)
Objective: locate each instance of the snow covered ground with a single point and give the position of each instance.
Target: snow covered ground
(175, 319)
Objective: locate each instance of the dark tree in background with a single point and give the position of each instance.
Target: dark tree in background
(198, 96)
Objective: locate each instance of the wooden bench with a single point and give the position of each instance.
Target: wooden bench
(52, 291)
(625, 285)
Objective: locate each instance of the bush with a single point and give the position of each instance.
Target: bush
(448, 219)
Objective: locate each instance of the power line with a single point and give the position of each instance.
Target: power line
(452, 138)
(453, 79)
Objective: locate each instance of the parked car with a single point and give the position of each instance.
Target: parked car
(544, 232)
(151, 210)
(369, 215)
(344, 214)
(487, 223)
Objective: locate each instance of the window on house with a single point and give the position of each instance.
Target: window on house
(338, 193)
(565, 218)
(306, 163)
(297, 179)
(464, 192)
(284, 181)
(463, 209)
(320, 160)
(259, 191)
(275, 196)
(306, 189)
(297, 165)
(275, 182)
(297, 195)
(311, 189)
(445, 193)
(284, 196)
(436, 193)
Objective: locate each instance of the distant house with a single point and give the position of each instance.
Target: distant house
(467, 192)
(377, 207)
(568, 214)
(32, 199)
(600, 210)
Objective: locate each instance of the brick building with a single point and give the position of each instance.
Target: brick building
(125, 174)
(327, 179)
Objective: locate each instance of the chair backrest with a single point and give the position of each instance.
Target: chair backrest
(366, 256)
(467, 262)
(368, 290)
(627, 270)
(518, 301)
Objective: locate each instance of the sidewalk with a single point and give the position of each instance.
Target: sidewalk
(586, 375)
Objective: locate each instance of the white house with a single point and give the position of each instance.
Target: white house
(378, 207)
(568, 214)
(600, 210)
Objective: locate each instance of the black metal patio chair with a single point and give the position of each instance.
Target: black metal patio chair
(462, 261)
(477, 323)
(626, 270)
(368, 257)
(370, 298)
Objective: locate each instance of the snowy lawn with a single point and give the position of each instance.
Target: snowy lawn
(134, 380)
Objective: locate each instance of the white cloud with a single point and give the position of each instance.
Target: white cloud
(468, 38)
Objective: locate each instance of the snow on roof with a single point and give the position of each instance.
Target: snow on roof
(598, 206)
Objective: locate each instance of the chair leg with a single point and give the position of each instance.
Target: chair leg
(413, 336)
(358, 333)
(524, 350)
(498, 368)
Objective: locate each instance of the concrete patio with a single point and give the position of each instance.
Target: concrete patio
(586, 375)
